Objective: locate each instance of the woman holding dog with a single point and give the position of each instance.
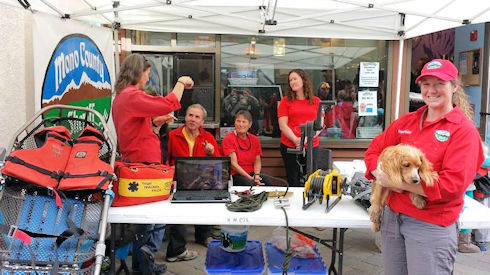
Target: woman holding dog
(296, 108)
(424, 241)
(134, 112)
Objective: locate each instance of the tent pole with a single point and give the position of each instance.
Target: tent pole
(399, 77)
(116, 44)
(116, 27)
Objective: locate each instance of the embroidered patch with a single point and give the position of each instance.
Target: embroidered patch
(434, 65)
(442, 135)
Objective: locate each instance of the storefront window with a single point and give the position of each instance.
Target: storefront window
(167, 68)
(150, 38)
(196, 40)
(254, 74)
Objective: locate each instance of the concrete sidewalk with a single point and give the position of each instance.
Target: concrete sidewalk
(360, 254)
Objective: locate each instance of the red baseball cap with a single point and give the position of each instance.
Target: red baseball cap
(440, 68)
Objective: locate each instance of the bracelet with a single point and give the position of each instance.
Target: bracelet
(178, 81)
(153, 123)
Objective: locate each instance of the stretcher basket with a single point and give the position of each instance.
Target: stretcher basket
(27, 210)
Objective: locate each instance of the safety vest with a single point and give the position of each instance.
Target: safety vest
(84, 169)
(44, 165)
(60, 163)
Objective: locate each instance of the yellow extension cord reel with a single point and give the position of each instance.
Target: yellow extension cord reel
(320, 186)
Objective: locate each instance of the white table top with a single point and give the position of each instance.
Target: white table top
(346, 214)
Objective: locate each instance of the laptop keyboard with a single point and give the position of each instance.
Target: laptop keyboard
(202, 195)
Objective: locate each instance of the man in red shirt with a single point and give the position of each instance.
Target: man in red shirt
(190, 140)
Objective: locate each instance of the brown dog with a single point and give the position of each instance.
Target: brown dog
(402, 163)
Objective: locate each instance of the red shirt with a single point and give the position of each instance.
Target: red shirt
(132, 111)
(178, 146)
(452, 144)
(343, 114)
(298, 112)
(246, 150)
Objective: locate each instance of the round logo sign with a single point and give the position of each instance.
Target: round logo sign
(77, 75)
(442, 135)
(434, 65)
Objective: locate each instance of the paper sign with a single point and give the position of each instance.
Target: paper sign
(369, 74)
(463, 64)
(367, 102)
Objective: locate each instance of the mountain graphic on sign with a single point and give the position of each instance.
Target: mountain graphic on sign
(86, 89)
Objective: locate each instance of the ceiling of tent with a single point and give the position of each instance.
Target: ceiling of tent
(360, 19)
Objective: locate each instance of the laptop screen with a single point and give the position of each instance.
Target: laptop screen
(202, 173)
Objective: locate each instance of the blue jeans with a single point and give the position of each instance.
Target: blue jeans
(152, 240)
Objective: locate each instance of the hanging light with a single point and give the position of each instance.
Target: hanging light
(251, 48)
(279, 47)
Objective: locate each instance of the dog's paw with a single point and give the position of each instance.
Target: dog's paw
(418, 201)
(375, 213)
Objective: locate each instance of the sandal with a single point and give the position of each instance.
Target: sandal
(187, 255)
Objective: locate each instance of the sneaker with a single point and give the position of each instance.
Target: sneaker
(149, 258)
(187, 255)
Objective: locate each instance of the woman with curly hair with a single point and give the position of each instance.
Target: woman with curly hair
(445, 132)
(296, 108)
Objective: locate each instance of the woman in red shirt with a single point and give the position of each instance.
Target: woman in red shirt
(296, 108)
(424, 241)
(244, 150)
(132, 112)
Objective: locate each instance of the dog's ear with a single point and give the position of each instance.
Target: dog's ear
(425, 172)
(391, 164)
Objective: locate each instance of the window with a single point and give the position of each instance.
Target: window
(150, 38)
(334, 66)
(196, 40)
(201, 68)
(166, 70)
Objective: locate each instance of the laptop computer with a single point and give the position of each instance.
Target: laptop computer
(202, 179)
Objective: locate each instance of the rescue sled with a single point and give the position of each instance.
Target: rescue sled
(55, 193)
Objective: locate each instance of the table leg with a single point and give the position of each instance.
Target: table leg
(341, 249)
(333, 260)
(113, 248)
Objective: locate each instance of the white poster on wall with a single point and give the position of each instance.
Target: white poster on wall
(367, 102)
(73, 64)
(369, 74)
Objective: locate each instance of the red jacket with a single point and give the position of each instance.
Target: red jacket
(178, 146)
(452, 144)
(132, 111)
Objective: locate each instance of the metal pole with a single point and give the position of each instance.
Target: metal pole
(399, 78)
(116, 36)
(401, 33)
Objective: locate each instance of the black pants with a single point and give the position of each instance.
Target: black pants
(177, 242)
(239, 180)
(293, 172)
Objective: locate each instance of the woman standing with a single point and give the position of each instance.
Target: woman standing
(132, 113)
(296, 108)
(244, 150)
(443, 130)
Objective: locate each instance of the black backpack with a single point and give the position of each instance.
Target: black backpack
(482, 184)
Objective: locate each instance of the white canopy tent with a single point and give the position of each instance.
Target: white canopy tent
(354, 19)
